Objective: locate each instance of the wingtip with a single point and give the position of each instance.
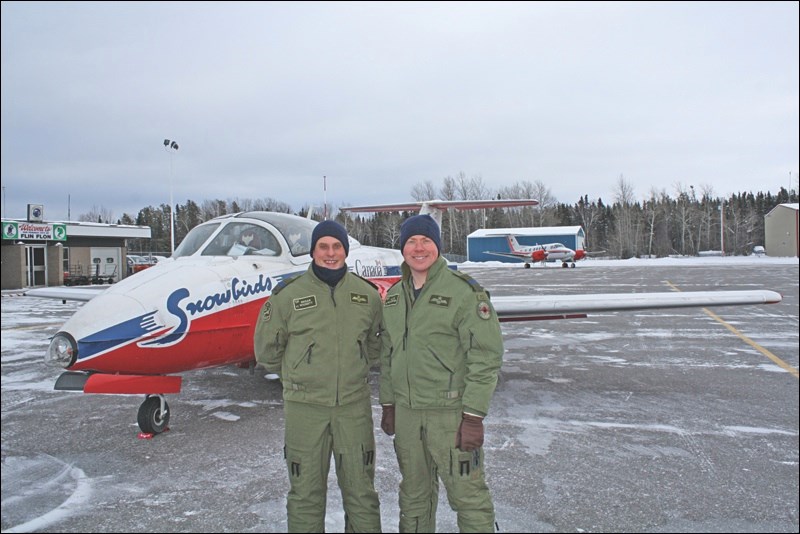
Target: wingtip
(773, 297)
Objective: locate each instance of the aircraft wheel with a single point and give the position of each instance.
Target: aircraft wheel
(564, 265)
(151, 420)
(527, 265)
(572, 265)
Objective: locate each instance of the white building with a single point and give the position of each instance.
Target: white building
(40, 253)
(781, 230)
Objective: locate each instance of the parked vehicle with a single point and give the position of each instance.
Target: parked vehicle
(137, 263)
(77, 275)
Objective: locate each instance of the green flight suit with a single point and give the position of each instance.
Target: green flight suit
(440, 358)
(322, 342)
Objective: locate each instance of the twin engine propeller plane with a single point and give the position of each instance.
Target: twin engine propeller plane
(540, 253)
(198, 309)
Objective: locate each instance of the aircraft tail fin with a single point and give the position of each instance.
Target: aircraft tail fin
(513, 244)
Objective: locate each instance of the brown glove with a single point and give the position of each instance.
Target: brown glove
(387, 419)
(470, 433)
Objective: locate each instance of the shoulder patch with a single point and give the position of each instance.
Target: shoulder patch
(285, 282)
(484, 310)
(266, 311)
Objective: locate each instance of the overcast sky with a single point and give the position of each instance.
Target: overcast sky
(264, 99)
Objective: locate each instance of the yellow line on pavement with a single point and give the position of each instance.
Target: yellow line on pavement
(780, 363)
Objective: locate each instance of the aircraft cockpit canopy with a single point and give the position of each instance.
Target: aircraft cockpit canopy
(233, 235)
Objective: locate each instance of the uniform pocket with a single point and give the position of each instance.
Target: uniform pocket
(304, 356)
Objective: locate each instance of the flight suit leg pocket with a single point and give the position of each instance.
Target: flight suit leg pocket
(466, 466)
(355, 466)
(305, 502)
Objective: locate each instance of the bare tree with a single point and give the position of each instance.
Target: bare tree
(461, 220)
(651, 210)
(423, 191)
(448, 192)
(547, 202)
(623, 208)
(213, 208)
(97, 214)
(270, 204)
(587, 213)
(686, 217)
(391, 230)
(525, 215)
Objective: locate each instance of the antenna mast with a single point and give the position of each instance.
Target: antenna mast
(325, 197)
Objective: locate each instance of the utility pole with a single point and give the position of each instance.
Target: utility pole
(174, 146)
(722, 227)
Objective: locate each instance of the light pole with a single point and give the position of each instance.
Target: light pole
(722, 227)
(174, 147)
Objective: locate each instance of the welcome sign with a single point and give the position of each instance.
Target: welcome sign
(34, 231)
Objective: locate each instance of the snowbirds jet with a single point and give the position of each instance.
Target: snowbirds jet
(198, 309)
(540, 253)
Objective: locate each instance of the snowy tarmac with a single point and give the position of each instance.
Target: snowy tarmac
(657, 421)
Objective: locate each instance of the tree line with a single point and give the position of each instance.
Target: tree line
(657, 225)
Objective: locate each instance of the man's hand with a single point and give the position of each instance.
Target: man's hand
(470, 433)
(387, 419)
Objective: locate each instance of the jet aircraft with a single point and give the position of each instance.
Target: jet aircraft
(198, 309)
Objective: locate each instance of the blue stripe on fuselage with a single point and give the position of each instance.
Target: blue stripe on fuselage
(116, 335)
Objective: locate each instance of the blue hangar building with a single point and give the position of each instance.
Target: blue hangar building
(494, 240)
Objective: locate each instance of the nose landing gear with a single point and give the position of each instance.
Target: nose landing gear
(153, 416)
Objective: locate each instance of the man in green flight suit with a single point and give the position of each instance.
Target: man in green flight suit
(438, 372)
(320, 332)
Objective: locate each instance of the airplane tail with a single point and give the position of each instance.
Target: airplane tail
(513, 244)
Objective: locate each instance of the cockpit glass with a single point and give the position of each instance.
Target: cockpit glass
(297, 234)
(194, 239)
(237, 237)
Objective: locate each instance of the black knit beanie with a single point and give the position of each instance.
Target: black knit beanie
(420, 225)
(330, 229)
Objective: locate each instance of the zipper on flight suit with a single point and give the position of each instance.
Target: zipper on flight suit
(409, 305)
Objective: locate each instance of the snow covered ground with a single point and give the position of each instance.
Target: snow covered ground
(680, 261)
(638, 422)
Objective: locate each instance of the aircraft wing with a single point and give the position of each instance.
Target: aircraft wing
(520, 257)
(540, 307)
(81, 293)
(595, 252)
(443, 204)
